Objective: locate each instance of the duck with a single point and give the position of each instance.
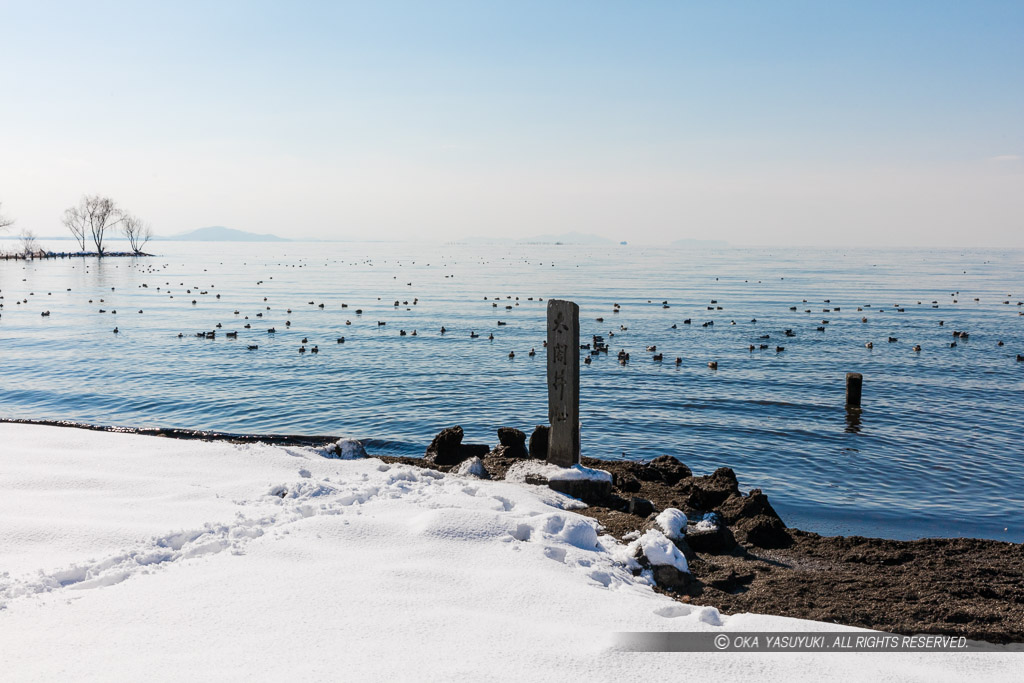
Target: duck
(473, 335)
(491, 336)
(893, 339)
(443, 330)
(401, 333)
(115, 330)
(315, 349)
(231, 335)
(511, 354)
(780, 349)
(341, 340)
(271, 331)
(252, 347)
(413, 333)
(679, 361)
(869, 345)
(587, 361)
(652, 348)
(713, 365)
(657, 356)
(532, 353)
(917, 348)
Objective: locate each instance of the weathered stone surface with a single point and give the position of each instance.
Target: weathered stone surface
(670, 578)
(590, 491)
(447, 448)
(563, 325)
(641, 507)
(627, 483)
(737, 507)
(444, 449)
(512, 443)
(763, 531)
(539, 442)
(707, 493)
(710, 535)
(671, 469)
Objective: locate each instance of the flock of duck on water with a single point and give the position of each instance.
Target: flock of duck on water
(595, 347)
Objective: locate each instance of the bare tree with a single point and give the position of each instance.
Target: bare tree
(137, 232)
(5, 222)
(29, 244)
(93, 216)
(78, 223)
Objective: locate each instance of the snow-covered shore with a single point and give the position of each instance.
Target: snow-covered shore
(125, 557)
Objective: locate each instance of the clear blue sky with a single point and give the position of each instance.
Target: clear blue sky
(759, 123)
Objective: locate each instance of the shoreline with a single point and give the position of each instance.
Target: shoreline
(949, 586)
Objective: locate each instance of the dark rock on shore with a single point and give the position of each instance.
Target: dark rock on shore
(447, 448)
(707, 493)
(671, 469)
(539, 442)
(512, 443)
(711, 535)
(590, 491)
(755, 521)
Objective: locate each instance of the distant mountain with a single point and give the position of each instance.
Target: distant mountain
(218, 233)
(690, 242)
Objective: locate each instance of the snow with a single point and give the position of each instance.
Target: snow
(524, 468)
(659, 550)
(127, 557)
(474, 467)
(709, 522)
(672, 523)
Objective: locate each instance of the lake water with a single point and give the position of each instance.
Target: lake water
(937, 450)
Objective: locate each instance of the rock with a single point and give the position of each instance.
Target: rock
(763, 531)
(671, 469)
(444, 449)
(627, 483)
(641, 507)
(652, 550)
(649, 472)
(447, 448)
(539, 442)
(707, 493)
(590, 491)
(755, 503)
(344, 449)
(710, 535)
(350, 449)
(592, 486)
(670, 578)
(473, 467)
(512, 443)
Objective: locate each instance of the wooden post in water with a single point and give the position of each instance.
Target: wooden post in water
(854, 380)
(563, 382)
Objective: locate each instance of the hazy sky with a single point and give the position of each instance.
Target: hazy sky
(824, 122)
